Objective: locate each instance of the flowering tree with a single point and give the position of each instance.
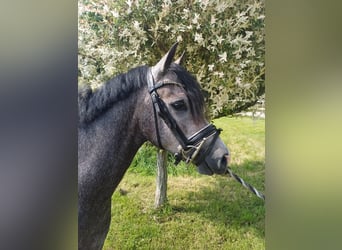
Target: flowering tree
(223, 41)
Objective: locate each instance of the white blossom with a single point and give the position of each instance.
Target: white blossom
(223, 57)
(195, 19)
(198, 38)
(136, 25)
(220, 39)
(221, 7)
(115, 13)
(129, 3)
(213, 19)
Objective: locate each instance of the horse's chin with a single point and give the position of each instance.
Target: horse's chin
(204, 168)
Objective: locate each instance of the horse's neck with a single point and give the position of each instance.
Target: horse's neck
(124, 131)
(106, 148)
(110, 144)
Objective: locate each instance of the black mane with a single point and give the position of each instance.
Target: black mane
(92, 104)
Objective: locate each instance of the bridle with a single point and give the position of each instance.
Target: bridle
(190, 149)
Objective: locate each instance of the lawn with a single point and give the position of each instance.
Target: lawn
(203, 212)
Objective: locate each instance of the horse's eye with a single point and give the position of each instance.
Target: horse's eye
(179, 105)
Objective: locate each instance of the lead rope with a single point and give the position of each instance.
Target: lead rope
(245, 184)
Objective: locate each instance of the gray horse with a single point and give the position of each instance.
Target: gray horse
(162, 104)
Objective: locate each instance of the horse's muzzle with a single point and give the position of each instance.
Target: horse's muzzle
(210, 166)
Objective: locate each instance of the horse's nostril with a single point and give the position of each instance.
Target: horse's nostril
(227, 156)
(224, 161)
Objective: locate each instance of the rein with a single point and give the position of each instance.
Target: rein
(189, 148)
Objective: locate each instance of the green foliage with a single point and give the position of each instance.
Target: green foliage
(223, 40)
(145, 160)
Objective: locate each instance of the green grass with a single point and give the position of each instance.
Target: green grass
(203, 212)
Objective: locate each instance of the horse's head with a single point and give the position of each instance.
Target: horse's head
(179, 124)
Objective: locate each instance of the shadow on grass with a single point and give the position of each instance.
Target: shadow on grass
(226, 202)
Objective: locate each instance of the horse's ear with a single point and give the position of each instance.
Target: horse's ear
(180, 59)
(161, 67)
